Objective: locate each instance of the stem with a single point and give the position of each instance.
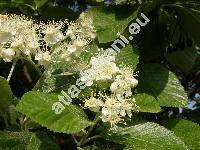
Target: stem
(33, 64)
(12, 69)
(36, 67)
(74, 138)
(84, 138)
(29, 6)
(91, 138)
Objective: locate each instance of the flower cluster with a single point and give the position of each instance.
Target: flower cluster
(23, 37)
(17, 37)
(80, 32)
(51, 35)
(102, 68)
(123, 83)
(65, 42)
(59, 44)
(65, 53)
(119, 103)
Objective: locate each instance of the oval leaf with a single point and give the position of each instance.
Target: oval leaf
(161, 83)
(146, 136)
(147, 103)
(38, 106)
(187, 131)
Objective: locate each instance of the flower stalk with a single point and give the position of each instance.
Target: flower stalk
(12, 69)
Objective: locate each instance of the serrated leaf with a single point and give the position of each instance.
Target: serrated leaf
(147, 103)
(109, 21)
(19, 140)
(128, 56)
(146, 136)
(187, 131)
(161, 83)
(189, 20)
(38, 106)
(148, 40)
(182, 59)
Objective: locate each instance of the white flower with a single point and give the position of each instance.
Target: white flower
(53, 34)
(7, 54)
(43, 58)
(82, 31)
(93, 104)
(80, 42)
(112, 103)
(71, 48)
(53, 38)
(31, 40)
(20, 34)
(126, 108)
(113, 109)
(102, 68)
(5, 29)
(17, 42)
(88, 81)
(112, 118)
(123, 83)
(4, 36)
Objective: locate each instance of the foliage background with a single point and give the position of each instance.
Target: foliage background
(171, 42)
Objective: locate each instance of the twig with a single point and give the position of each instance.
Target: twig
(91, 138)
(84, 138)
(33, 64)
(74, 139)
(27, 74)
(12, 69)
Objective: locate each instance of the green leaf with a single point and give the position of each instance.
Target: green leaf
(117, 2)
(187, 131)
(149, 136)
(4, 4)
(19, 140)
(48, 13)
(161, 83)
(89, 51)
(23, 2)
(38, 106)
(13, 114)
(5, 95)
(148, 40)
(40, 3)
(57, 80)
(189, 20)
(63, 82)
(18, 3)
(93, 147)
(147, 103)
(46, 142)
(184, 60)
(128, 56)
(109, 21)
